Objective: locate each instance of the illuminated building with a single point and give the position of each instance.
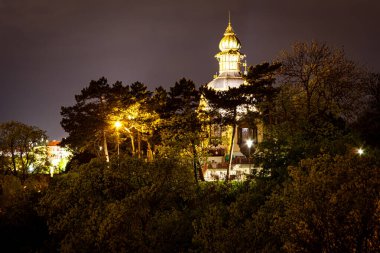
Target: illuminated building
(57, 156)
(231, 70)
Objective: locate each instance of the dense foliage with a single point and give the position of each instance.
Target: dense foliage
(134, 206)
(331, 203)
(21, 228)
(22, 148)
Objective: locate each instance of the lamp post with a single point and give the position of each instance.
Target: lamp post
(117, 126)
(249, 145)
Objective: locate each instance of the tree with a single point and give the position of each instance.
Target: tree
(262, 78)
(138, 118)
(319, 94)
(181, 109)
(232, 104)
(316, 79)
(90, 122)
(367, 123)
(85, 122)
(133, 206)
(232, 218)
(21, 228)
(330, 205)
(21, 148)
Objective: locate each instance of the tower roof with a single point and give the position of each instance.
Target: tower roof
(229, 40)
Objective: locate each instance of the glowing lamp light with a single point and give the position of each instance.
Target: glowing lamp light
(118, 124)
(360, 151)
(249, 143)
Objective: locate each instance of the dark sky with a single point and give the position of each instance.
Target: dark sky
(51, 49)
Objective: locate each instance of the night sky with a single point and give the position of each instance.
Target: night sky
(51, 49)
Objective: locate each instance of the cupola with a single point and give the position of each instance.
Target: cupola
(229, 40)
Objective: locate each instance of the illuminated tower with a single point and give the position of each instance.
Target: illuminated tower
(230, 59)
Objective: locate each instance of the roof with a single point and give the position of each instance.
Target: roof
(53, 143)
(223, 83)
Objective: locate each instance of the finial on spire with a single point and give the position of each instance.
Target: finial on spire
(229, 30)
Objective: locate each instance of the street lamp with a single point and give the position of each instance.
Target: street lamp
(249, 145)
(360, 151)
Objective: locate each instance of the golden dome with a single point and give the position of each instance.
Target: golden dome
(229, 40)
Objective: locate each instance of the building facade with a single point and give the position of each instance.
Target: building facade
(58, 157)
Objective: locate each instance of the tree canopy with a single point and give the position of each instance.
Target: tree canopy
(320, 94)
(22, 148)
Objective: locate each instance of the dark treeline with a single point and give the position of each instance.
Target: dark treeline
(137, 186)
(331, 204)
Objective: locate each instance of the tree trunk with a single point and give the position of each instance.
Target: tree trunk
(105, 147)
(231, 147)
(101, 99)
(195, 171)
(23, 166)
(149, 152)
(133, 144)
(14, 163)
(196, 165)
(132, 140)
(199, 166)
(138, 144)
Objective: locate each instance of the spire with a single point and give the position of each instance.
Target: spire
(229, 30)
(229, 40)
